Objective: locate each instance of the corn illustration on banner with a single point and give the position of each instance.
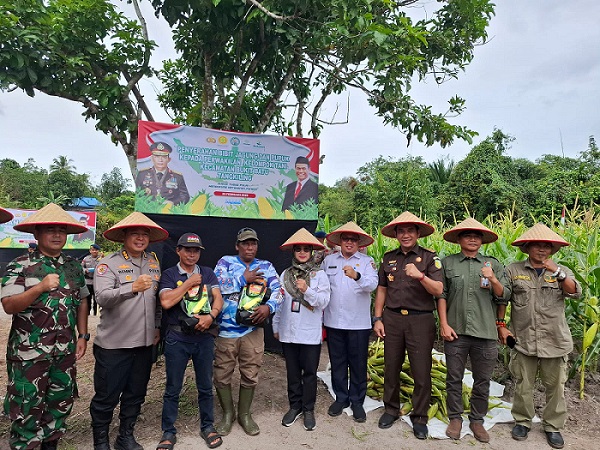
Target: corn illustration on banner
(11, 238)
(206, 172)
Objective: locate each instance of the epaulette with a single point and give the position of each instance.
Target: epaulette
(155, 257)
(175, 172)
(428, 250)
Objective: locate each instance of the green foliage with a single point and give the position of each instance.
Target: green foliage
(21, 186)
(239, 60)
(387, 188)
(113, 185)
(112, 212)
(337, 202)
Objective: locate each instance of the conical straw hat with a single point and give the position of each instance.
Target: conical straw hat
(470, 224)
(116, 233)
(407, 218)
(540, 233)
(5, 215)
(364, 240)
(302, 237)
(51, 214)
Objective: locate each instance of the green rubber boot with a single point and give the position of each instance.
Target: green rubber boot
(226, 401)
(244, 414)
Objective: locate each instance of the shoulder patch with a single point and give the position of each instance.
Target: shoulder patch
(101, 269)
(437, 263)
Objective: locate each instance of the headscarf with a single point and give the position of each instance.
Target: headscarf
(297, 271)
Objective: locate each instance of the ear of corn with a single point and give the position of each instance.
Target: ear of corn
(437, 408)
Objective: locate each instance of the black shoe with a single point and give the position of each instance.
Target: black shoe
(555, 440)
(519, 432)
(290, 417)
(309, 420)
(336, 409)
(359, 414)
(50, 445)
(386, 420)
(420, 430)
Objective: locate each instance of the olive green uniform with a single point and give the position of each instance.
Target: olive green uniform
(538, 322)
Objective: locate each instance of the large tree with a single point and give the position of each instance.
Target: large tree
(241, 63)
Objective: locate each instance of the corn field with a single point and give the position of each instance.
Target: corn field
(580, 229)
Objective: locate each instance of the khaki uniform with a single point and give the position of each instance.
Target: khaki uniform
(538, 323)
(128, 320)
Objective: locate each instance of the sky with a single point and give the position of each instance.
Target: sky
(537, 79)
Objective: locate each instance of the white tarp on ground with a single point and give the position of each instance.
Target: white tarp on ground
(437, 428)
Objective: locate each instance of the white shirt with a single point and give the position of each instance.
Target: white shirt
(305, 326)
(350, 303)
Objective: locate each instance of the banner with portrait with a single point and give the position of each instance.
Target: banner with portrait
(11, 238)
(205, 172)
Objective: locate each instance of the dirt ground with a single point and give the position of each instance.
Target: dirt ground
(582, 430)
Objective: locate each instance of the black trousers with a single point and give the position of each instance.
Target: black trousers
(414, 335)
(348, 349)
(120, 375)
(301, 363)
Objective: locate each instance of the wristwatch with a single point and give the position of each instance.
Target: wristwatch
(85, 336)
(376, 319)
(561, 276)
(358, 275)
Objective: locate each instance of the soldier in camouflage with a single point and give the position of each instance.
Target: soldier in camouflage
(46, 294)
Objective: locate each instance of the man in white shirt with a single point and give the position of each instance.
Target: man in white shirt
(347, 318)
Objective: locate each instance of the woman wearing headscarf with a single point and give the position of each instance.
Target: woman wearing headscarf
(297, 324)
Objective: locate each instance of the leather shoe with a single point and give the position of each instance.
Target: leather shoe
(479, 432)
(359, 414)
(555, 440)
(336, 409)
(519, 432)
(386, 420)
(420, 430)
(454, 428)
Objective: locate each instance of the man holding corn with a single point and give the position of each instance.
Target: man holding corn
(474, 285)
(539, 331)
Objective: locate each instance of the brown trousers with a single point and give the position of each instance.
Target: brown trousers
(414, 334)
(247, 351)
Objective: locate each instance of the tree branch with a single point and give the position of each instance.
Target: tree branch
(271, 106)
(269, 13)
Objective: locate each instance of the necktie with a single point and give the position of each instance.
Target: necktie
(159, 175)
(298, 187)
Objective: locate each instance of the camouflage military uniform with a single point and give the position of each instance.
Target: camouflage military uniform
(171, 186)
(41, 347)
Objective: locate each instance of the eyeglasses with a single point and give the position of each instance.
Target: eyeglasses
(303, 248)
(349, 239)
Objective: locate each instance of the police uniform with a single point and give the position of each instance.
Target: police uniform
(170, 185)
(41, 349)
(124, 337)
(409, 326)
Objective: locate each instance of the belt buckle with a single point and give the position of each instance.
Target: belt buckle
(404, 312)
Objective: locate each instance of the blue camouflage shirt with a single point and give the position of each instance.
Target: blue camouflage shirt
(230, 273)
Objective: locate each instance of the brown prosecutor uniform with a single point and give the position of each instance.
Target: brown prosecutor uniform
(409, 326)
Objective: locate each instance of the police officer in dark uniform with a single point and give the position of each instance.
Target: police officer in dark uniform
(409, 279)
(160, 180)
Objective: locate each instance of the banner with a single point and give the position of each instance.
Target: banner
(11, 238)
(206, 172)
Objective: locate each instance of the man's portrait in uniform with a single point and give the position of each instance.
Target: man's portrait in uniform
(160, 180)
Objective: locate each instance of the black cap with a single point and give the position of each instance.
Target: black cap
(320, 234)
(32, 245)
(190, 240)
(302, 160)
(96, 246)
